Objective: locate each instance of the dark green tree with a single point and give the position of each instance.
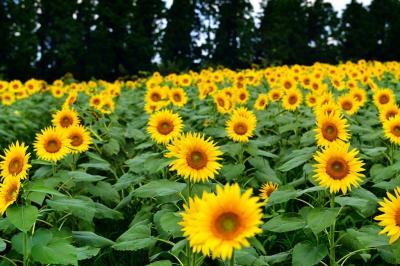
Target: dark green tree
(235, 34)
(178, 46)
(386, 19)
(4, 33)
(322, 32)
(283, 37)
(21, 42)
(357, 30)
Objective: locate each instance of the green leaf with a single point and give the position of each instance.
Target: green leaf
(22, 217)
(159, 188)
(232, 171)
(56, 252)
(352, 201)
(169, 222)
(285, 223)
(91, 239)
(281, 196)
(83, 207)
(262, 166)
(133, 245)
(112, 147)
(80, 176)
(136, 237)
(233, 149)
(272, 259)
(319, 218)
(3, 245)
(308, 254)
(103, 212)
(298, 157)
(161, 263)
(44, 189)
(379, 172)
(87, 252)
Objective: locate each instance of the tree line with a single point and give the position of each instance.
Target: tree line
(110, 39)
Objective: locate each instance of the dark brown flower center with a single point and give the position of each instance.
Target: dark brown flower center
(396, 130)
(66, 121)
(240, 128)
(177, 97)
(76, 140)
(287, 85)
(337, 168)
(329, 131)
(292, 99)
(397, 217)
(262, 102)
(197, 159)
(15, 166)
(155, 97)
(11, 192)
(383, 99)
(242, 96)
(391, 114)
(165, 127)
(347, 105)
(52, 145)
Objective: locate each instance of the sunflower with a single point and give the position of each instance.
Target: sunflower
(70, 100)
(348, 104)
(267, 189)
(242, 96)
(9, 191)
(155, 94)
(8, 98)
(329, 108)
(338, 168)
(390, 219)
(65, 118)
(261, 102)
(15, 161)
(288, 83)
(52, 144)
(196, 157)
(95, 101)
(222, 222)
(359, 95)
(164, 126)
(391, 128)
(79, 138)
(292, 99)
(311, 100)
(389, 111)
(57, 92)
(331, 128)
(275, 95)
(178, 97)
(383, 97)
(240, 128)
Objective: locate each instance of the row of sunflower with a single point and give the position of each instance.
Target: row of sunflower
(222, 134)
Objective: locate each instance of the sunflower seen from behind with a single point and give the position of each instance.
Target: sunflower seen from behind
(52, 144)
(9, 191)
(164, 126)
(196, 158)
(338, 168)
(65, 118)
(79, 138)
(331, 128)
(15, 161)
(390, 219)
(217, 224)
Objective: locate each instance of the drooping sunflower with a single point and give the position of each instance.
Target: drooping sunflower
(239, 128)
(15, 161)
(391, 128)
(331, 128)
(338, 168)
(52, 144)
(267, 189)
(9, 191)
(196, 158)
(178, 97)
(390, 219)
(217, 224)
(65, 118)
(261, 102)
(292, 99)
(383, 97)
(164, 126)
(79, 138)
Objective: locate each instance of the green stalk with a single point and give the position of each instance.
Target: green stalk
(188, 251)
(26, 253)
(232, 260)
(332, 234)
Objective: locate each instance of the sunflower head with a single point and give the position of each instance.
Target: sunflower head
(292, 99)
(9, 191)
(331, 128)
(261, 102)
(383, 97)
(178, 97)
(338, 168)
(349, 104)
(239, 128)
(164, 126)
(267, 189)
(390, 219)
(79, 138)
(222, 222)
(52, 144)
(391, 129)
(65, 118)
(196, 158)
(15, 161)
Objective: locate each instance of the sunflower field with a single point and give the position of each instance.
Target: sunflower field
(288, 165)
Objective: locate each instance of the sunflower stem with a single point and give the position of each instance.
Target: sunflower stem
(26, 254)
(332, 234)
(232, 260)
(54, 168)
(188, 251)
